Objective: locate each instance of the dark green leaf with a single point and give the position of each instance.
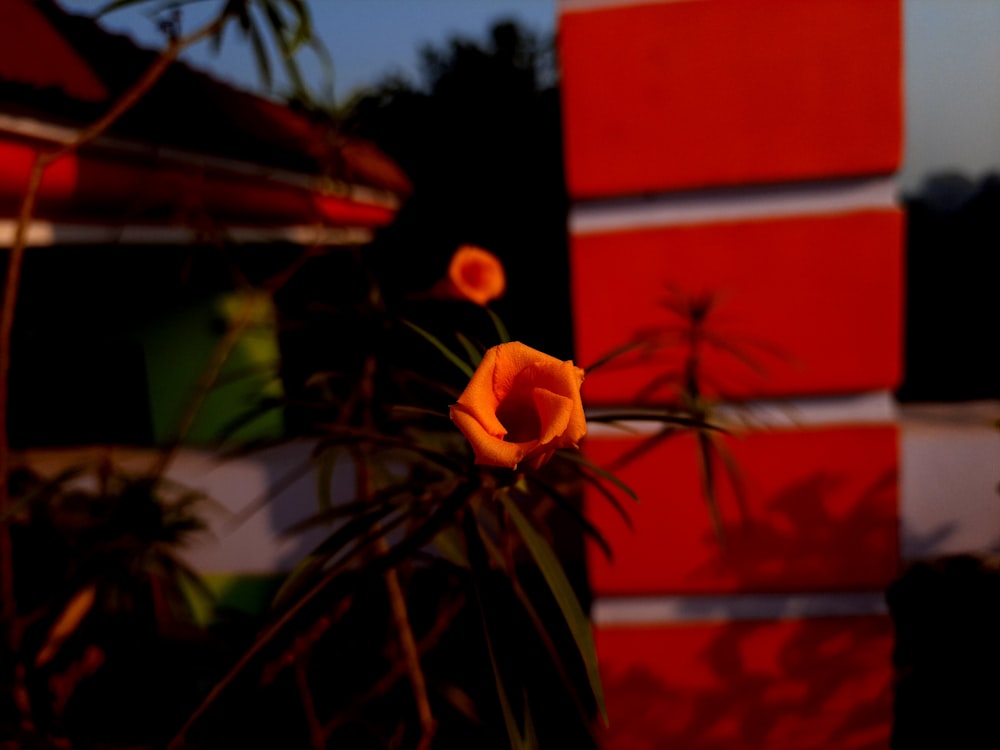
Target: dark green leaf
(436, 342)
(707, 471)
(577, 458)
(667, 418)
(286, 46)
(299, 578)
(615, 353)
(565, 597)
(610, 496)
(537, 621)
(570, 507)
(502, 333)
(416, 411)
(117, 5)
(344, 435)
(448, 544)
(481, 569)
(645, 446)
(734, 476)
(260, 54)
(471, 351)
(530, 737)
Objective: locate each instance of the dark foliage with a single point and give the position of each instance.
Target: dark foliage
(946, 613)
(481, 140)
(952, 307)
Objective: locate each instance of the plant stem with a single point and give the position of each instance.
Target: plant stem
(397, 599)
(316, 735)
(11, 283)
(42, 161)
(411, 655)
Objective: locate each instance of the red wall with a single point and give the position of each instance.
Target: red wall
(691, 105)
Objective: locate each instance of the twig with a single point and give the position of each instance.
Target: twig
(397, 600)
(398, 670)
(316, 735)
(267, 635)
(411, 655)
(11, 283)
(42, 161)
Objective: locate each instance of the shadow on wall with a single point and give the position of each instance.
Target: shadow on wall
(790, 539)
(819, 512)
(794, 684)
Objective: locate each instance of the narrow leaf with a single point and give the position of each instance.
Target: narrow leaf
(645, 446)
(615, 353)
(679, 420)
(735, 477)
(448, 544)
(502, 333)
(707, 470)
(300, 577)
(116, 5)
(577, 458)
(541, 629)
(260, 54)
(570, 507)
(416, 411)
(555, 577)
(76, 609)
(608, 495)
(436, 342)
(480, 566)
(530, 736)
(473, 353)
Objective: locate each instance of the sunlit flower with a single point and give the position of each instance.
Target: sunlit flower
(521, 406)
(475, 275)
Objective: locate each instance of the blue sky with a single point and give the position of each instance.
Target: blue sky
(366, 38)
(952, 81)
(952, 61)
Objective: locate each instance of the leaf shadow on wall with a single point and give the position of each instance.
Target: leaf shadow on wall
(824, 682)
(814, 533)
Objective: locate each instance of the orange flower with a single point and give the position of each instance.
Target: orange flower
(521, 406)
(474, 274)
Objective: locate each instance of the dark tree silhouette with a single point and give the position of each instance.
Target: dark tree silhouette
(480, 137)
(952, 313)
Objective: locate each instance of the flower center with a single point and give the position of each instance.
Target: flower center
(474, 274)
(517, 413)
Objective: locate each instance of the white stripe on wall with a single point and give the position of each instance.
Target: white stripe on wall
(735, 204)
(45, 234)
(878, 407)
(653, 610)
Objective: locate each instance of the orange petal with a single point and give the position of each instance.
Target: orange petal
(477, 274)
(480, 399)
(547, 389)
(554, 411)
(489, 450)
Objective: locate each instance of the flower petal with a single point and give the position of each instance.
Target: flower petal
(489, 450)
(480, 398)
(477, 274)
(554, 411)
(521, 405)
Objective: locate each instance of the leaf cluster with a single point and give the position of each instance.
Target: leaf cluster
(277, 31)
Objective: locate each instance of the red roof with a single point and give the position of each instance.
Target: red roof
(191, 145)
(33, 54)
